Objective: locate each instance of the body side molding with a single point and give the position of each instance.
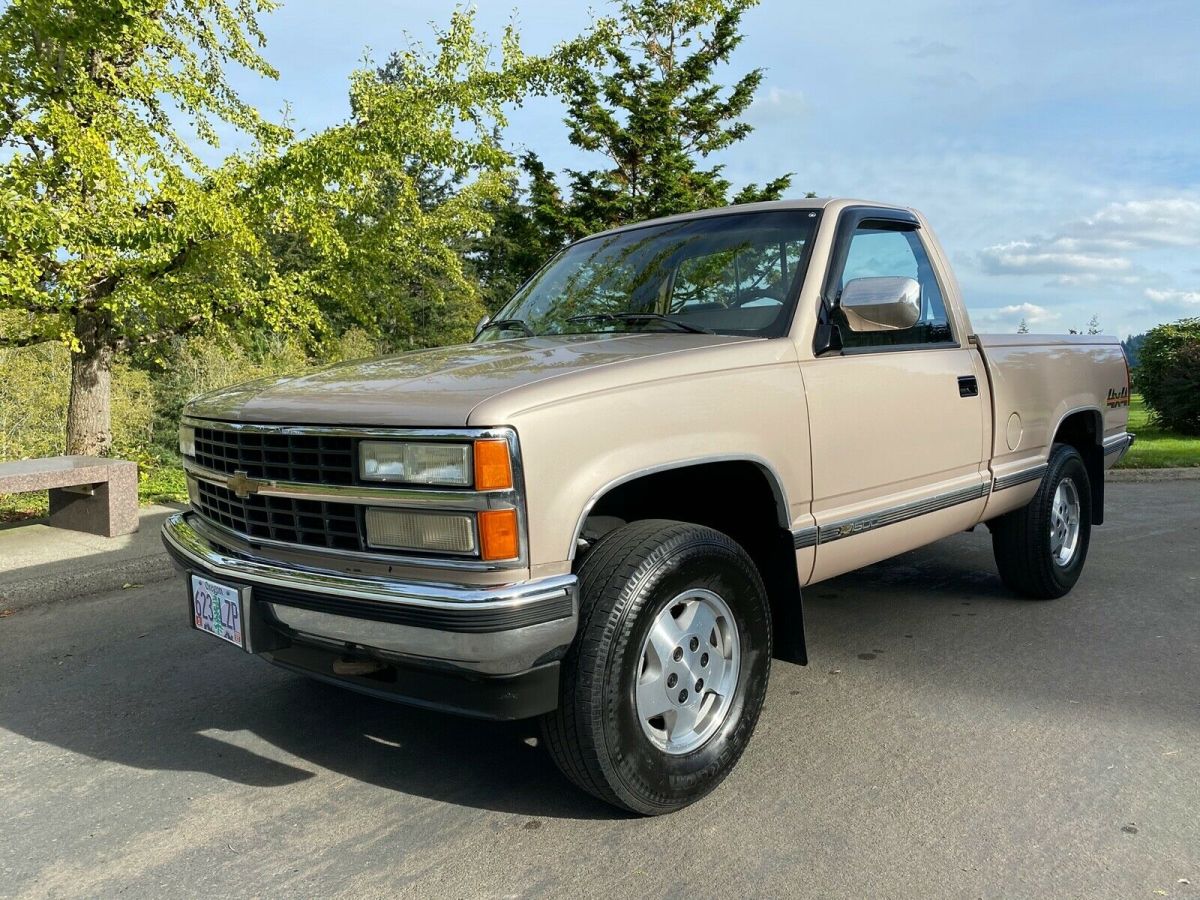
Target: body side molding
(825, 534)
(1021, 477)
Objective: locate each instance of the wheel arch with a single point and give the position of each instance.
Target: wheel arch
(741, 496)
(1083, 429)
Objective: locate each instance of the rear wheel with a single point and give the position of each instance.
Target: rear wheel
(663, 686)
(1041, 548)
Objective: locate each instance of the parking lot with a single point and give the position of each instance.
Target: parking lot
(947, 740)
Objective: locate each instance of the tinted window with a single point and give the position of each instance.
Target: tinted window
(877, 252)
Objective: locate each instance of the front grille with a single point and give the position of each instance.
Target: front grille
(305, 458)
(310, 523)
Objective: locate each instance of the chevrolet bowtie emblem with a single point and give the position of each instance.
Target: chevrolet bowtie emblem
(242, 484)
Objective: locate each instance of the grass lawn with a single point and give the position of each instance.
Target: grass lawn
(1156, 447)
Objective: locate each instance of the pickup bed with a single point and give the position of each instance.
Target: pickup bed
(604, 509)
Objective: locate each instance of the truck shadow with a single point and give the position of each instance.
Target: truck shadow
(147, 692)
(122, 679)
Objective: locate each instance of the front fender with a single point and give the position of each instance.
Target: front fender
(576, 449)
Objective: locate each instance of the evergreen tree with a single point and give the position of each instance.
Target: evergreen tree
(529, 229)
(652, 105)
(644, 94)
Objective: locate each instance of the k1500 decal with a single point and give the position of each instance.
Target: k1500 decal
(1118, 398)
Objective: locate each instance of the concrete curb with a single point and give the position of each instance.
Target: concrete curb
(19, 595)
(1146, 475)
(40, 564)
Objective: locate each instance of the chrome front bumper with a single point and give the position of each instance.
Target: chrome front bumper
(486, 631)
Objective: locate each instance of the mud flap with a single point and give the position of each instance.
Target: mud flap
(787, 604)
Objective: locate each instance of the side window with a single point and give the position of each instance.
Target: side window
(879, 263)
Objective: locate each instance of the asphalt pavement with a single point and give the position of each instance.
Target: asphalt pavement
(947, 740)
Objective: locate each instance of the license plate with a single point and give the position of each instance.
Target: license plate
(217, 609)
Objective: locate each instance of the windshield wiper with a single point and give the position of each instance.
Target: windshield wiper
(508, 324)
(639, 317)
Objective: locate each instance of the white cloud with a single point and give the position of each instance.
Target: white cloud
(1169, 222)
(1110, 248)
(1030, 312)
(1008, 318)
(1049, 257)
(1173, 297)
(1084, 279)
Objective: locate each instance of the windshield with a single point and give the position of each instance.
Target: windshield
(727, 274)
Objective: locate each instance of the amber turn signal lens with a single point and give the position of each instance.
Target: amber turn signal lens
(498, 534)
(493, 471)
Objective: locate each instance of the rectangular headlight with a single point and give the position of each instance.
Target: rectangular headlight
(187, 440)
(403, 529)
(415, 463)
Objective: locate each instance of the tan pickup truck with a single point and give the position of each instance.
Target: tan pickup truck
(603, 510)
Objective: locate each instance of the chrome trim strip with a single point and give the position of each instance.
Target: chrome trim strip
(364, 431)
(1021, 477)
(1118, 443)
(190, 545)
(805, 537)
(222, 534)
(414, 498)
(835, 531)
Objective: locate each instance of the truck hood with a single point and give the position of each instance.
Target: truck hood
(435, 388)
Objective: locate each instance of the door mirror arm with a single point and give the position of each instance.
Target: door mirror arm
(828, 336)
(828, 339)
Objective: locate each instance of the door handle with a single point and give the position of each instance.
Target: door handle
(968, 386)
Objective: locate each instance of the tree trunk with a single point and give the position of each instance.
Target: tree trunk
(89, 414)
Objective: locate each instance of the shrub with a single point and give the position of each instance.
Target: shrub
(34, 382)
(147, 399)
(1168, 375)
(34, 387)
(202, 364)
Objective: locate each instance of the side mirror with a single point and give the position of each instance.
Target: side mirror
(886, 303)
(481, 324)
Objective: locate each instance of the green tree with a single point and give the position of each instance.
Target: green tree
(114, 235)
(1168, 374)
(529, 229)
(415, 179)
(652, 106)
(1132, 346)
(113, 232)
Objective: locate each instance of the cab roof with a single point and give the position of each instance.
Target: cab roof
(815, 203)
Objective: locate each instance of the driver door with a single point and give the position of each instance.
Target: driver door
(897, 419)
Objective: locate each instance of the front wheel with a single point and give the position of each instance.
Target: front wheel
(1041, 548)
(663, 685)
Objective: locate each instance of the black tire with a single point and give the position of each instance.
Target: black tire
(628, 578)
(1021, 539)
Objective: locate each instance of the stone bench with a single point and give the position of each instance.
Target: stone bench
(87, 493)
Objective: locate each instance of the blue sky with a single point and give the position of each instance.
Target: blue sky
(1055, 146)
